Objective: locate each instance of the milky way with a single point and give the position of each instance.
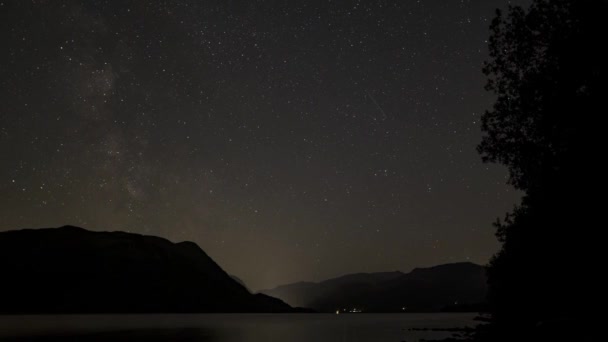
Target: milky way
(292, 140)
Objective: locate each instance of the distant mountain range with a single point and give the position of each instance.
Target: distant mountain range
(458, 286)
(72, 270)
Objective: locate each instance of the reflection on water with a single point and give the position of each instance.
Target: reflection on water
(153, 335)
(230, 327)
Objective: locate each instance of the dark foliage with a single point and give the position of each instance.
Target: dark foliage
(548, 70)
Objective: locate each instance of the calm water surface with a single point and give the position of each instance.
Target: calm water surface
(231, 327)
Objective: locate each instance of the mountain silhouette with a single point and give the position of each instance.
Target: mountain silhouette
(240, 281)
(438, 288)
(73, 270)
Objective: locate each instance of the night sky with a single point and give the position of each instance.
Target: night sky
(292, 140)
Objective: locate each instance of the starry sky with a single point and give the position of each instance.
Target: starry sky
(292, 140)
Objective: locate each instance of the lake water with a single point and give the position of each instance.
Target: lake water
(232, 327)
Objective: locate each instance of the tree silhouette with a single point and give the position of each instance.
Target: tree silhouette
(547, 68)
